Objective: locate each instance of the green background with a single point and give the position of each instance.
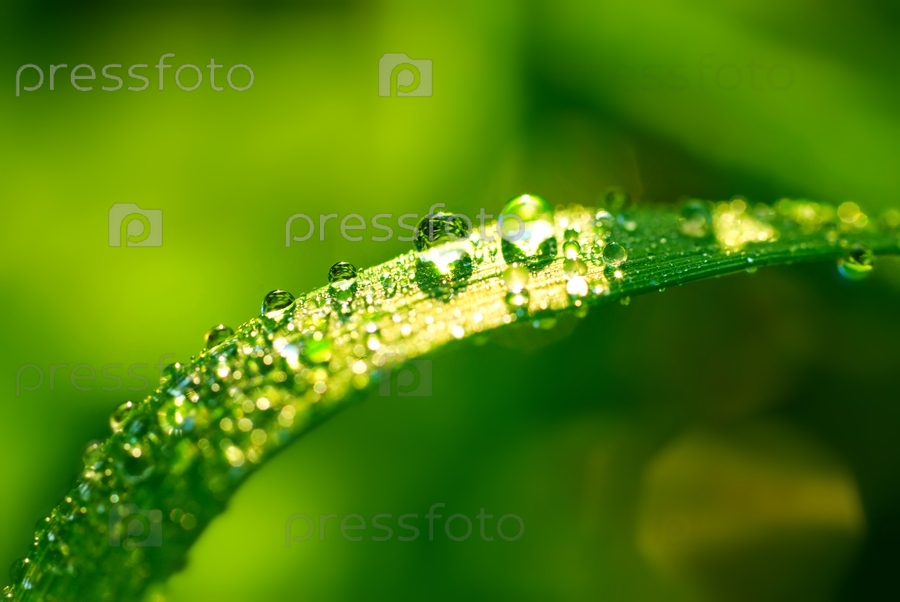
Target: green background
(731, 440)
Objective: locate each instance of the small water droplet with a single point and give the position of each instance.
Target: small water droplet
(217, 334)
(389, 285)
(571, 249)
(516, 278)
(857, 264)
(169, 372)
(527, 231)
(574, 267)
(614, 254)
(275, 300)
(597, 251)
(18, 569)
(93, 455)
(695, 219)
(625, 301)
(119, 415)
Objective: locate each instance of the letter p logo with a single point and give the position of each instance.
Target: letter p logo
(134, 226)
(398, 74)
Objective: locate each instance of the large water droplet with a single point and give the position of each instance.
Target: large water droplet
(614, 254)
(527, 231)
(217, 334)
(857, 264)
(695, 219)
(443, 253)
(275, 300)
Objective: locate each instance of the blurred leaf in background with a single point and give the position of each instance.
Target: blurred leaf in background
(731, 440)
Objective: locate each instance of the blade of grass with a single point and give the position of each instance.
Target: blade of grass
(173, 460)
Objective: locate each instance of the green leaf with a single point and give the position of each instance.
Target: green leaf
(173, 460)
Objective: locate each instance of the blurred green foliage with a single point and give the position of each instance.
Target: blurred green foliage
(733, 440)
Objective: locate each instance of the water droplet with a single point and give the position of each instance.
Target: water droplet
(389, 285)
(516, 278)
(169, 372)
(597, 252)
(119, 415)
(342, 280)
(615, 199)
(571, 249)
(695, 219)
(217, 334)
(275, 300)
(517, 302)
(604, 222)
(857, 264)
(527, 231)
(444, 259)
(341, 272)
(570, 234)
(614, 254)
(625, 301)
(93, 455)
(574, 267)
(18, 569)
